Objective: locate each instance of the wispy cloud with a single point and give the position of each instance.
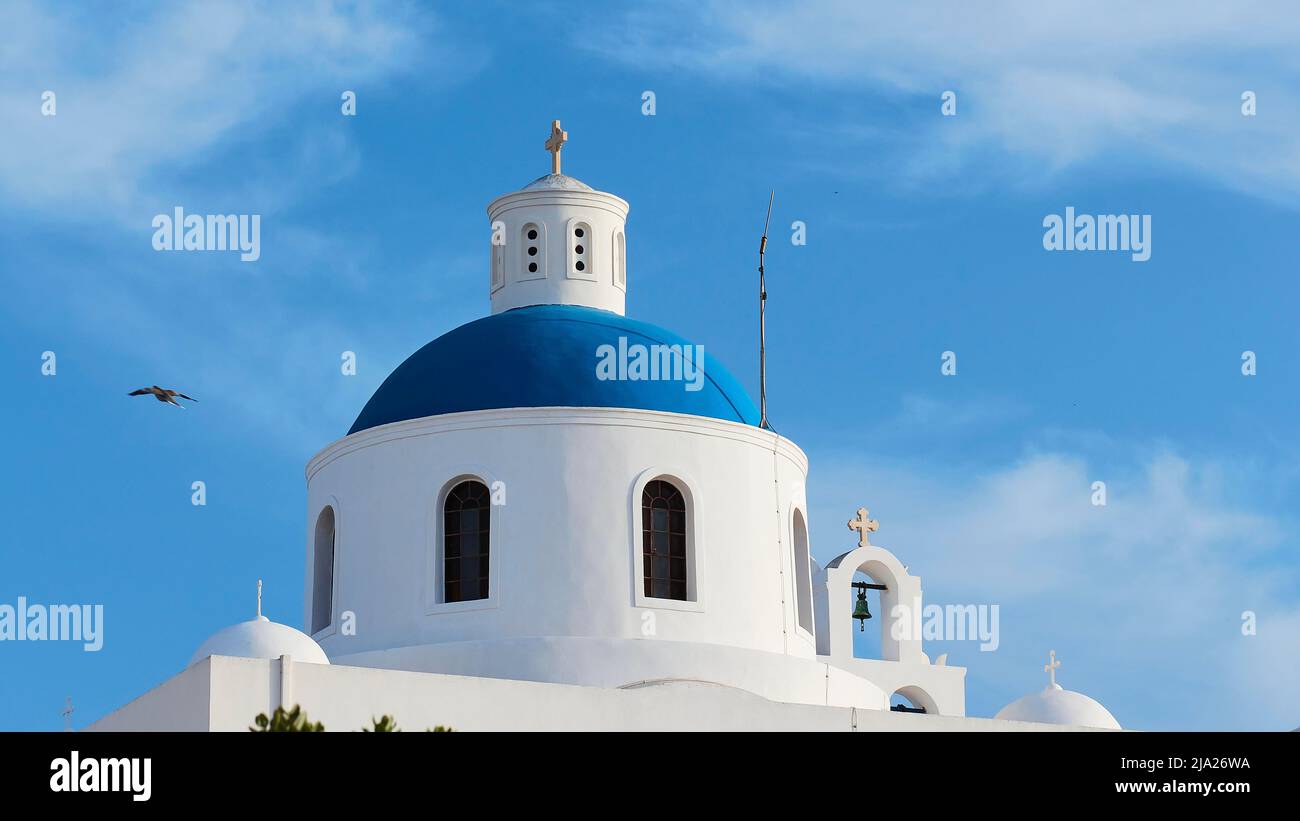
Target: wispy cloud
(159, 91)
(1048, 86)
(218, 108)
(920, 415)
(1134, 593)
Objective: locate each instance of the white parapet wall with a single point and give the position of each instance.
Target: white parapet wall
(226, 694)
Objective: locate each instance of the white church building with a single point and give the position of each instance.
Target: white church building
(604, 538)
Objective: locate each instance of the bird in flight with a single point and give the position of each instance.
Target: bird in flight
(163, 395)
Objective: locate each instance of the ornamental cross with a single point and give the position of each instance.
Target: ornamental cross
(259, 598)
(864, 526)
(1051, 667)
(558, 138)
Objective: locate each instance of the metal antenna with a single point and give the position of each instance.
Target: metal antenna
(762, 320)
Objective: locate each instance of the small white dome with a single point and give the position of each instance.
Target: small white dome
(552, 182)
(261, 638)
(1056, 705)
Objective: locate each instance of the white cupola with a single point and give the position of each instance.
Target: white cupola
(1057, 705)
(261, 638)
(557, 241)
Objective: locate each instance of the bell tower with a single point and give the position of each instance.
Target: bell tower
(557, 241)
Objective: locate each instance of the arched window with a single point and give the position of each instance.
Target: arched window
(498, 268)
(802, 572)
(322, 592)
(532, 244)
(466, 524)
(620, 260)
(663, 540)
(580, 251)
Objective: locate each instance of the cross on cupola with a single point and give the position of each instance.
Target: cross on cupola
(1051, 667)
(556, 142)
(864, 526)
(557, 241)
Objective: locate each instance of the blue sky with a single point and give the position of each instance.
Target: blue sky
(924, 235)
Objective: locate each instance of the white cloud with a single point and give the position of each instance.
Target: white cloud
(920, 415)
(1142, 597)
(220, 108)
(1052, 84)
(144, 97)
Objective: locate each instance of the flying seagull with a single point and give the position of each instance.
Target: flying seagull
(163, 395)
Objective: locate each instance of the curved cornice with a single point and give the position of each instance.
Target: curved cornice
(528, 417)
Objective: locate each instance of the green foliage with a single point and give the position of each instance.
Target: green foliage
(386, 724)
(383, 724)
(293, 721)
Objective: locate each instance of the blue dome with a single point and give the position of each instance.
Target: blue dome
(544, 356)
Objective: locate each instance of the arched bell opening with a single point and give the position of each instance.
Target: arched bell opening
(874, 598)
(912, 699)
(867, 605)
(890, 595)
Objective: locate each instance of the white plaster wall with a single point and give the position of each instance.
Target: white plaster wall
(243, 687)
(554, 284)
(942, 688)
(347, 697)
(180, 703)
(234, 691)
(563, 544)
(615, 663)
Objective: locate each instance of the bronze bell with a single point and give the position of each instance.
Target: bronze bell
(860, 611)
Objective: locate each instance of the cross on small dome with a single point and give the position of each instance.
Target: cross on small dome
(1051, 667)
(1056, 705)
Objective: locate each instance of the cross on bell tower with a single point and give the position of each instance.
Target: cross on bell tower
(556, 142)
(864, 526)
